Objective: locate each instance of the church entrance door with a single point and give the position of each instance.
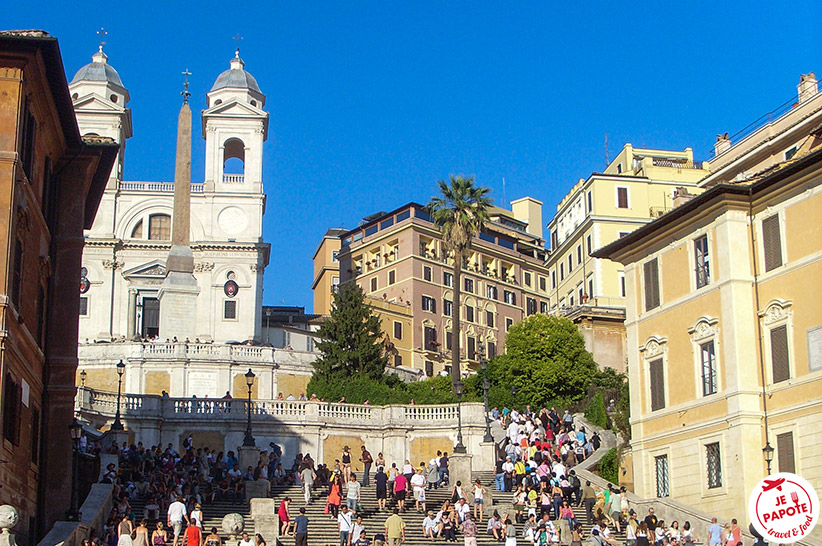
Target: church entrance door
(151, 317)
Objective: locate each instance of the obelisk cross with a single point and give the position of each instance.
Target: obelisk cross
(237, 39)
(102, 34)
(185, 92)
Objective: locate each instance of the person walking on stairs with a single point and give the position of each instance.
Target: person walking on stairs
(344, 525)
(394, 529)
(301, 529)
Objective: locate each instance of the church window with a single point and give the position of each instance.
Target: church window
(230, 310)
(137, 232)
(233, 159)
(159, 227)
(84, 306)
(113, 98)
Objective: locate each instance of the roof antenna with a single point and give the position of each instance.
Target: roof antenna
(607, 155)
(504, 199)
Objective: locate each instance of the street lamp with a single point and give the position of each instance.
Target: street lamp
(121, 369)
(249, 439)
(83, 375)
(485, 385)
(459, 448)
(76, 430)
(768, 452)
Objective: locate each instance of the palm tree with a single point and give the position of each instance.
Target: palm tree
(460, 212)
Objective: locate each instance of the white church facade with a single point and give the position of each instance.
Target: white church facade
(125, 253)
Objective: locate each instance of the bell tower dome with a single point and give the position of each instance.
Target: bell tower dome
(235, 127)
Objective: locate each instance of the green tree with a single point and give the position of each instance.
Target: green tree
(545, 361)
(595, 411)
(351, 339)
(460, 212)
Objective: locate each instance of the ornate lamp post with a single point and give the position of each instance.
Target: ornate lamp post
(121, 369)
(83, 375)
(768, 452)
(249, 439)
(485, 385)
(459, 447)
(76, 430)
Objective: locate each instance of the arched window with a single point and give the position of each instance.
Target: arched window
(234, 156)
(159, 227)
(137, 232)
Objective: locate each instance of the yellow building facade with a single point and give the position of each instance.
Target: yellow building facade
(724, 326)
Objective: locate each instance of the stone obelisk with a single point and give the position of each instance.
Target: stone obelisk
(178, 295)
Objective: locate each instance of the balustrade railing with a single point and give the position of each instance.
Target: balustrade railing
(233, 178)
(164, 187)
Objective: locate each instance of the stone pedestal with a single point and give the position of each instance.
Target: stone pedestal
(257, 489)
(486, 456)
(248, 456)
(178, 301)
(459, 469)
(264, 514)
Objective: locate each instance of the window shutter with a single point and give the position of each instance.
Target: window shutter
(651, 271)
(772, 243)
(657, 385)
(784, 452)
(779, 354)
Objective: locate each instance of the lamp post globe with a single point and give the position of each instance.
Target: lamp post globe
(248, 441)
(121, 369)
(767, 451)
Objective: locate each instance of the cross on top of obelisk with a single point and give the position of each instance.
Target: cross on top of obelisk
(237, 38)
(185, 92)
(102, 34)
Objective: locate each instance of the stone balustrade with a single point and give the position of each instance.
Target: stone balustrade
(188, 351)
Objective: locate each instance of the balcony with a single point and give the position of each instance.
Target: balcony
(233, 178)
(161, 187)
(676, 163)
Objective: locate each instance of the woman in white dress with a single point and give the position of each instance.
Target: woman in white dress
(124, 530)
(510, 533)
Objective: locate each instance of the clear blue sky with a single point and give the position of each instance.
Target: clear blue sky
(372, 102)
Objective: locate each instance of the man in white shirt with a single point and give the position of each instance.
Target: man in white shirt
(508, 469)
(176, 514)
(344, 524)
(462, 508)
(246, 540)
(418, 487)
(429, 526)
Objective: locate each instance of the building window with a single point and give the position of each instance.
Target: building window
(431, 338)
(472, 348)
(426, 273)
(335, 256)
(448, 341)
(469, 285)
(561, 272)
(714, 465)
(662, 484)
(571, 299)
(580, 293)
(543, 307)
(588, 244)
(84, 306)
(622, 198)
(429, 304)
(489, 319)
(374, 284)
(579, 254)
(624, 234)
(137, 232)
(447, 308)
(469, 313)
(791, 152)
(397, 360)
(590, 196)
(159, 227)
(510, 297)
(448, 279)
(335, 284)
(657, 385)
(784, 452)
(651, 284)
(570, 263)
(780, 360)
(702, 266)
(542, 284)
(622, 283)
(17, 274)
(492, 293)
(12, 396)
(772, 242)
(397, 330)
(508, 323)
(230, 310)
(553, 279)
(392, 277)
(492, 350)
(530, 306)
(708, 359)
(527, 278)
(429, 368)
(591, 287)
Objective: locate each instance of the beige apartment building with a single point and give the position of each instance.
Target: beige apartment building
(636, 187)
(400, 262)
(724, 322)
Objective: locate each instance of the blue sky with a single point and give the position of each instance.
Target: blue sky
(372, 102)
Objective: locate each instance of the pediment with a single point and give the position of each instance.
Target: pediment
(95, 102)
(153, 270)
(235, 107)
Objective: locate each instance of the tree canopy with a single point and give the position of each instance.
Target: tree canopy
(350, 340)
(460, 211)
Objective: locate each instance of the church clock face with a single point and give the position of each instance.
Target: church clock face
(232, 220)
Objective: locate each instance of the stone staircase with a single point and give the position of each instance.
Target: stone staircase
(212, 516)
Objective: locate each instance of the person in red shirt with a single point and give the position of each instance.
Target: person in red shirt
(193, 535)
(400, 486)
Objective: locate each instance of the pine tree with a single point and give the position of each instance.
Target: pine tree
(351, 339)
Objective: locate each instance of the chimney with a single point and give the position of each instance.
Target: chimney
(722, 143)
(682, 196)
(808, 86)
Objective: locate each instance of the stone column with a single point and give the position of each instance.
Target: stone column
(459, 468)
(132, 313)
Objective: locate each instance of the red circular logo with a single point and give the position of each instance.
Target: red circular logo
(784, 508)
(84, 285)
(231, 288)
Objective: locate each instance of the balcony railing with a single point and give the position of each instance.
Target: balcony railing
(233, 178)
(93, 353)
(676, 163)
(163, 187)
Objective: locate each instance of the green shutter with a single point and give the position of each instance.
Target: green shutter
(784, 452)
(657, 385)
(772, 242)
(779, 354)
(651, 270)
